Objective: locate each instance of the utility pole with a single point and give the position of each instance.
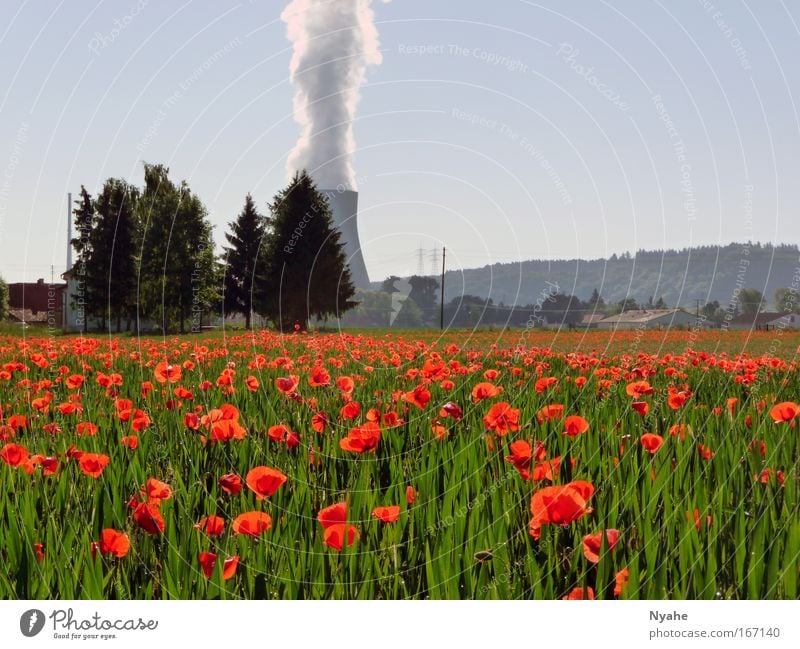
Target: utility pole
(441, 307)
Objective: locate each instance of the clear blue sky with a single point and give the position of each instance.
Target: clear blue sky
(504, 130)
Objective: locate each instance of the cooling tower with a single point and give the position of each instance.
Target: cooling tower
(344, 208)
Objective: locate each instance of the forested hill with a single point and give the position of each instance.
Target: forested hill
(681, 277)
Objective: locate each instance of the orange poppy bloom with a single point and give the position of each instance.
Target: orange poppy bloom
(86, 428)
(345, 384)
(544, 383)
(411, 495)
(209, 559)
(483, 391)
(676, 400)
(521, 457)
(131, 441)
(319, 377)
(18, 422)
(651, 442)
(592, 544)
(164, 372)
(252, 523)
(698, 522)
(211, 525)
(114, 542)
(264, 481)
(579, 593)
(319, 422)
(680, 430)
(784, 412)
(333, 514)
(559, 505)
(92, 464)
(337, 535)
(419, 396)
(231, 483)
(502, 418)
(550, 412)
(157, 490)
(638, 389)
(388, 514)
(350, 410)
(149, 518)
(362, 438)
(621, 580)
(575, 425)
(547, 470)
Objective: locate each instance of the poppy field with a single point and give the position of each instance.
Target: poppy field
(400, 466)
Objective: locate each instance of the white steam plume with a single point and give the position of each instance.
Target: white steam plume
(334, 43)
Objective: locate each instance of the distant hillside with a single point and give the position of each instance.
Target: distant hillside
(681, 277)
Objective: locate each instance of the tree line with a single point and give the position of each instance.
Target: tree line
(145, 257)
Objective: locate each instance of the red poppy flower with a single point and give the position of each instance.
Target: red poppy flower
(680, 430)
(521, 457)
(114, 542)
(638, 389)
(252, 523)
(350, 410)
(211, 525)
(209, 559)
(333, 514)
(264, 481)
(92, 464)
(544, 383)
(164, 372)
(411, 495)
(388, 514)
(319, 422)
(18, 422)
(547, 470)
(319, 377)
(231, 483)
(559, 505)
(130, 441)
(483, 391)
(287, 384)
(502, 418)
(451, 409)
(362, 438)
(38, 548)
(784, 412)
(86, 428)
(550, 412)
(651, 442)
(419, 396)
(14, 454)
(575, 425)
(641, 407)
(345, 384)
(592, 544)
(157, 490)
(579, 593)
(621, 580)
(149, 518)
(337, 535)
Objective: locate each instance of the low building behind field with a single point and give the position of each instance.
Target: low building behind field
(36, 303)
(647, 319)
(765, 321)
